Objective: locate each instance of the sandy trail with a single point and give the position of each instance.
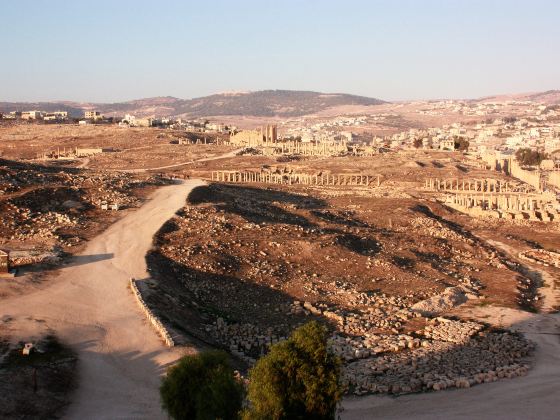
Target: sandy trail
(90, 307)
(176, 165)
(535, 396)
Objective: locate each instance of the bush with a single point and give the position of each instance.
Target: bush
(529, 157)
(202, 386)
(461, 144)
(297, 379)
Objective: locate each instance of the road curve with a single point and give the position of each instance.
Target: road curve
(90, 307)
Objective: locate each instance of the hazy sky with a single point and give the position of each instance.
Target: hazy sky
(120, 50)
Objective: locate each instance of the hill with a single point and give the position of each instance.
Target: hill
(282, 103)
(549, 97)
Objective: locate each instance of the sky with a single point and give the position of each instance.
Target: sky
(110, 51)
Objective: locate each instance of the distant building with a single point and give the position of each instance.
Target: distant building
(14, 115)
(93, 115)
(31, 115)
(447, 144)
(246, 138)
(132, 121)
(56, 116)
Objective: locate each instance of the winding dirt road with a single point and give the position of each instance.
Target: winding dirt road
(90, 307)
(535, 396)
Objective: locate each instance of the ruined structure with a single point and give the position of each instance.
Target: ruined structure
(295, 178)
(253, 138)
(510, 206)
(479, 185)
(532, 178)
(496, 198)
(4, 262)
(511, 167)
(554, 179)
(266, 138)
(326, 148)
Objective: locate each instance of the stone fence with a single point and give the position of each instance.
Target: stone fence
(295, 178)
(154, 320)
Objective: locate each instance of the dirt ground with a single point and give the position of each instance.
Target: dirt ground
(38, 385)
(134, 148)
(409, 287)
(242, 265)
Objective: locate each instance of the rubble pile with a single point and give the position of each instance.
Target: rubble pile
(38, 203)
(246, 341)
(256, 263)
(442, 362)
(541, 256)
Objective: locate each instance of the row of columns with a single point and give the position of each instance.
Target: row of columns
(271, 178)
(485, 185)
(505, 205)
(309, 149)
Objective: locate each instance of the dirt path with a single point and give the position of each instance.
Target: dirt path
(535, 396)
(176, 165)
(90, 307)
(548, 292)
(83, 164)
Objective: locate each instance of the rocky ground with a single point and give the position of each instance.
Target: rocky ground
(49, 213)
(241, 266)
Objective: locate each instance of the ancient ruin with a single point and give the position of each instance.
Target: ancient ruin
(296, 178)
(4, 262)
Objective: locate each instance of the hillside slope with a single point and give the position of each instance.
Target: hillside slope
(283, 103)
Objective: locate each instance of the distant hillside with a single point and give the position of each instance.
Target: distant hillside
(549, 97)
(267, 103)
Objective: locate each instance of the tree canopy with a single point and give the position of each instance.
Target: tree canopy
(529, 157)
(202, 387)
(297, 379)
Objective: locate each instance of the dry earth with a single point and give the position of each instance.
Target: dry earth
(240, 266)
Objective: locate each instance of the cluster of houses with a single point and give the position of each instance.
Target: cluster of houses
(56, 116)
(497, 135)
(470, 108)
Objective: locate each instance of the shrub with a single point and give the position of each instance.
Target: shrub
(461, 144)
(529, 157)
(297, 379)
(202, 386)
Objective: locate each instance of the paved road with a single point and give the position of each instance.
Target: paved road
(90, 307)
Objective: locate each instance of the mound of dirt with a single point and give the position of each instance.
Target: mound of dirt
(450, 298)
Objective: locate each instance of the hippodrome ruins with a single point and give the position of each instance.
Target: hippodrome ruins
(405, 250)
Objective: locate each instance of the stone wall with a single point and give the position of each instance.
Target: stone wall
(154, 320)
(554, 179)
(532, 178)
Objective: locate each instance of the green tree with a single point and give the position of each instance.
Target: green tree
(529, 157)
(461, 144)
(202, 387)
(297, 379)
